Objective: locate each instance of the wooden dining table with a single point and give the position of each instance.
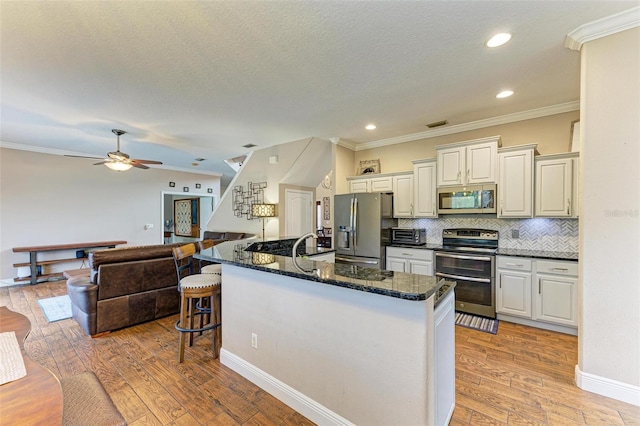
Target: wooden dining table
(35, 399)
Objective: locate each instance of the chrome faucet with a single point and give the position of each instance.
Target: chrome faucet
(294, 252)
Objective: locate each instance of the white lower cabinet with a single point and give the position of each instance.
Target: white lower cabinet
(513, 296)
(557, 300)
(545, 291)
(414, 261)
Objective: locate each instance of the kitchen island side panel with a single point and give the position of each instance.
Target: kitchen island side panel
(365, 357)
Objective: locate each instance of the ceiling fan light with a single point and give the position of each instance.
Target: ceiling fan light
(118, 166)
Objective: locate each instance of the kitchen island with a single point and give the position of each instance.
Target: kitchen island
(340, 344)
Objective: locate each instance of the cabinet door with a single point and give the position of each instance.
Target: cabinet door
(403, 196)
(421, 267)
(451, 163)
(554, 184)
(515, 188)
(557, 299)
(481, 163)
(395, 264)
(424, 190)
(513, 295)
(382, 184)
(360, 185)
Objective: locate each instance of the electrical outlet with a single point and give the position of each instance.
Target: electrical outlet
(515, 233)
(254, 340)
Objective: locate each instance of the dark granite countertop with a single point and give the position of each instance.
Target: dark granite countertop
(283, 247)
(387, 283)
(538, 254)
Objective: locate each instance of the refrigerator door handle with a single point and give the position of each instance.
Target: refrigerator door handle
(355, 223)
(351, 223)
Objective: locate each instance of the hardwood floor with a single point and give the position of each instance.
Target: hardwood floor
(522, 375)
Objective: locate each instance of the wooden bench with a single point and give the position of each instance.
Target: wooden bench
(34, 263)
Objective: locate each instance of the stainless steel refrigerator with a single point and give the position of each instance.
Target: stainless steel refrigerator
(363, 223)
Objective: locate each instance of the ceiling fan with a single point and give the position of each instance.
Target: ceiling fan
(118, 160)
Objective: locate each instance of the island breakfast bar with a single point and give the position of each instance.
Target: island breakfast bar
(340, 344)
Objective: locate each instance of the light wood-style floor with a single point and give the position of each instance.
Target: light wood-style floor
(522, 375)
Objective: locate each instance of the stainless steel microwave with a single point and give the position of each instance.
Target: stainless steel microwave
(467, 199)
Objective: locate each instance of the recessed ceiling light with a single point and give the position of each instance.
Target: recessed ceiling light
(498, 40)
(370, 126)
(504, 94)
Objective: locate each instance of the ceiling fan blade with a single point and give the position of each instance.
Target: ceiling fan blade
(146, 161)
(82, 156)
(138, 165)
(103, 162)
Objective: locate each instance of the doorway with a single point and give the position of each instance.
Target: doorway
(205, 207)
(297, 210)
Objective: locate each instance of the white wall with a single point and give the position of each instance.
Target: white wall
(51, 199)
(301, 163)
(551, 133)
(609, 218)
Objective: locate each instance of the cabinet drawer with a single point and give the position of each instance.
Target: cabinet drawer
(514, 263)
(412, 254)
(558, 268)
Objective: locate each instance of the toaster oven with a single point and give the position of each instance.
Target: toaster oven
(411, 236)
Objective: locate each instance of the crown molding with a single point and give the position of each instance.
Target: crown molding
(345, 143)
(53, 151)
(603, 27)
(473, 125)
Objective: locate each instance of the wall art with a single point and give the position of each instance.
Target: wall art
(369, 167)
(242, 200)
(326, 208)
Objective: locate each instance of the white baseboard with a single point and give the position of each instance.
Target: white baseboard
(608, 387)
(285, 393)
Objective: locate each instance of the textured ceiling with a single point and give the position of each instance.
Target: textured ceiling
(201, 79)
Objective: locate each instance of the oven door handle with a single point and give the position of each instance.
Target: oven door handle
(458, 277)
(461, 256)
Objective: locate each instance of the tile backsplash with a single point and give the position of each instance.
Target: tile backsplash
(533, 234)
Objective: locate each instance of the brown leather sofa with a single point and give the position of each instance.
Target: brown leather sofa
(126, 286)
(220, 237)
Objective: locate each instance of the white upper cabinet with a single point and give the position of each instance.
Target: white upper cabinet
(370, 184)
(360, 185)
(381, 184)
(451, 163)
(470, 162)
(556, 185)
(424, 188)
(515, 181)
(403, 195)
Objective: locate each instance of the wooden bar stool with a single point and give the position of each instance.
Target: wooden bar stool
(193, 289)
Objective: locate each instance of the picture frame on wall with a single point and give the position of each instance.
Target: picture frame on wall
(369, 167)
(326, 208)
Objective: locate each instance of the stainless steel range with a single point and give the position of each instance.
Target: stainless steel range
(468, 257)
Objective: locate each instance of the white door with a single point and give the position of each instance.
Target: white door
(299, 212)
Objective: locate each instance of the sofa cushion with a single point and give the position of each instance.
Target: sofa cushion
(126, 254)
(135, 277)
